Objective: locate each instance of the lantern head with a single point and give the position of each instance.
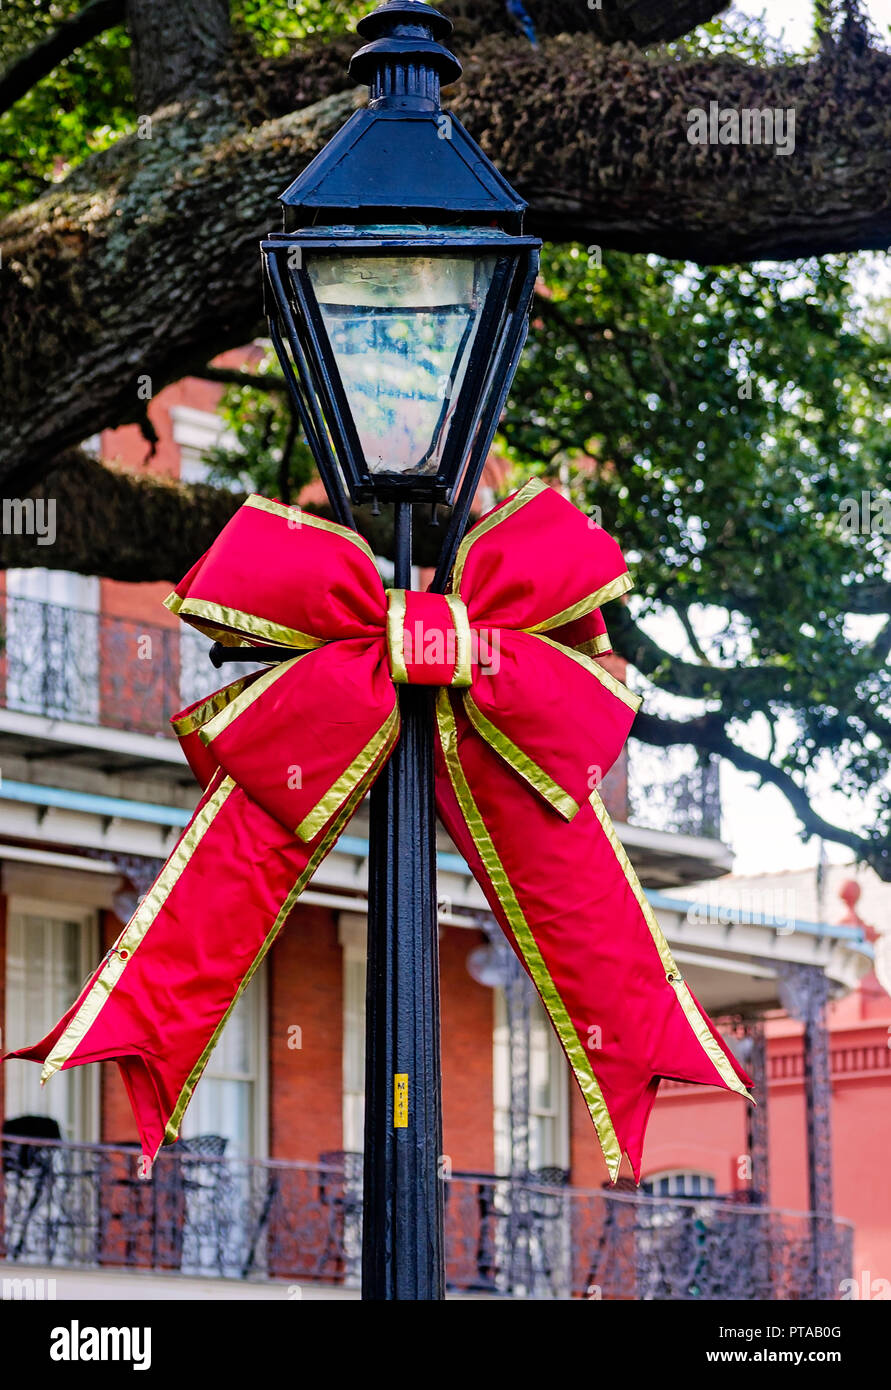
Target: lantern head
(398, 294)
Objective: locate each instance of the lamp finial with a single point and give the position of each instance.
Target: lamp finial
(405, 63)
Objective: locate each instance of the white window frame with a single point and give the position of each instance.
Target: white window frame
(79, 593)
(677, 1179)
(195, 432)
(352, 934)
(20, 905)
(258, 1138)
(501, 1086)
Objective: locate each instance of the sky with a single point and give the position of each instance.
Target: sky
(759, 825)
(794, 18)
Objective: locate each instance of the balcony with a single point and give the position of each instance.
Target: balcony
(86, 1207)
(97, 669)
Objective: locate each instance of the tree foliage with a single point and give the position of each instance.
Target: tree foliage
(726, 422)
(83, 106)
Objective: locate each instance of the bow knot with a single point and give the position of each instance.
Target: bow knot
(429, 641)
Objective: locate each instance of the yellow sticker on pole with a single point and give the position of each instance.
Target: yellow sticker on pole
(400, 1100)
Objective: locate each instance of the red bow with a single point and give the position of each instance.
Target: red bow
(527, 724)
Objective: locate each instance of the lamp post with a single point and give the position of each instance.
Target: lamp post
(398, 298)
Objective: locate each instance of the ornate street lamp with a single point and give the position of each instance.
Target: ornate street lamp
(398, 297)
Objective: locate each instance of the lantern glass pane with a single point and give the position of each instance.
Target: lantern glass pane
(402, 330)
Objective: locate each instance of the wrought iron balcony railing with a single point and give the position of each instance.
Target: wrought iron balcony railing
(99, 669)
(86, 1206)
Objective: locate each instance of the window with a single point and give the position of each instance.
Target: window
(548, 1092)
(196, 432)
(680, 1184)
(52, 644)
(353, 1042)
(50, 951)
(230, 1098)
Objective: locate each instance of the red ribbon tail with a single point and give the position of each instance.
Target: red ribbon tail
(158, 1002)
(574, 911)
(680, 1054)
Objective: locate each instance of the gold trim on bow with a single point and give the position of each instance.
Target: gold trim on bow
(135, 931)
(264, 504)
(236, 707)
(463, 674)
(538, 970)
(598, 646)
(607, 592)
(620, 585)
(521, 763)
(396, 605)
(606, 678)
(171, 1130)
(231, 625)
(382, 743)
(703, 1033)
(191, 722)
(525, 494)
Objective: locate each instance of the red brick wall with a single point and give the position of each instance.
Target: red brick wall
(142, 602)
(467, 1018)
(586, 1165)
(305, 1083)
(128, 446)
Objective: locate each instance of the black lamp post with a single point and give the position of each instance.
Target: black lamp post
(398, 298)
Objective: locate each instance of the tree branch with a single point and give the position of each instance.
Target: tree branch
(72, 34)
(135, 527)
(95, 293)
(708, 734)
(178, 46)
(683, 613)
(620, 21)
(231, 376)
(685, 678)
(869, 598)
(760, 685)
(139, 528)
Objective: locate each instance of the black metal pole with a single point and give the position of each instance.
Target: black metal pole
(402, 1237)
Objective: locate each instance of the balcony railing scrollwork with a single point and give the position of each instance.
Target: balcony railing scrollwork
(88, 1206)
(101, 669)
